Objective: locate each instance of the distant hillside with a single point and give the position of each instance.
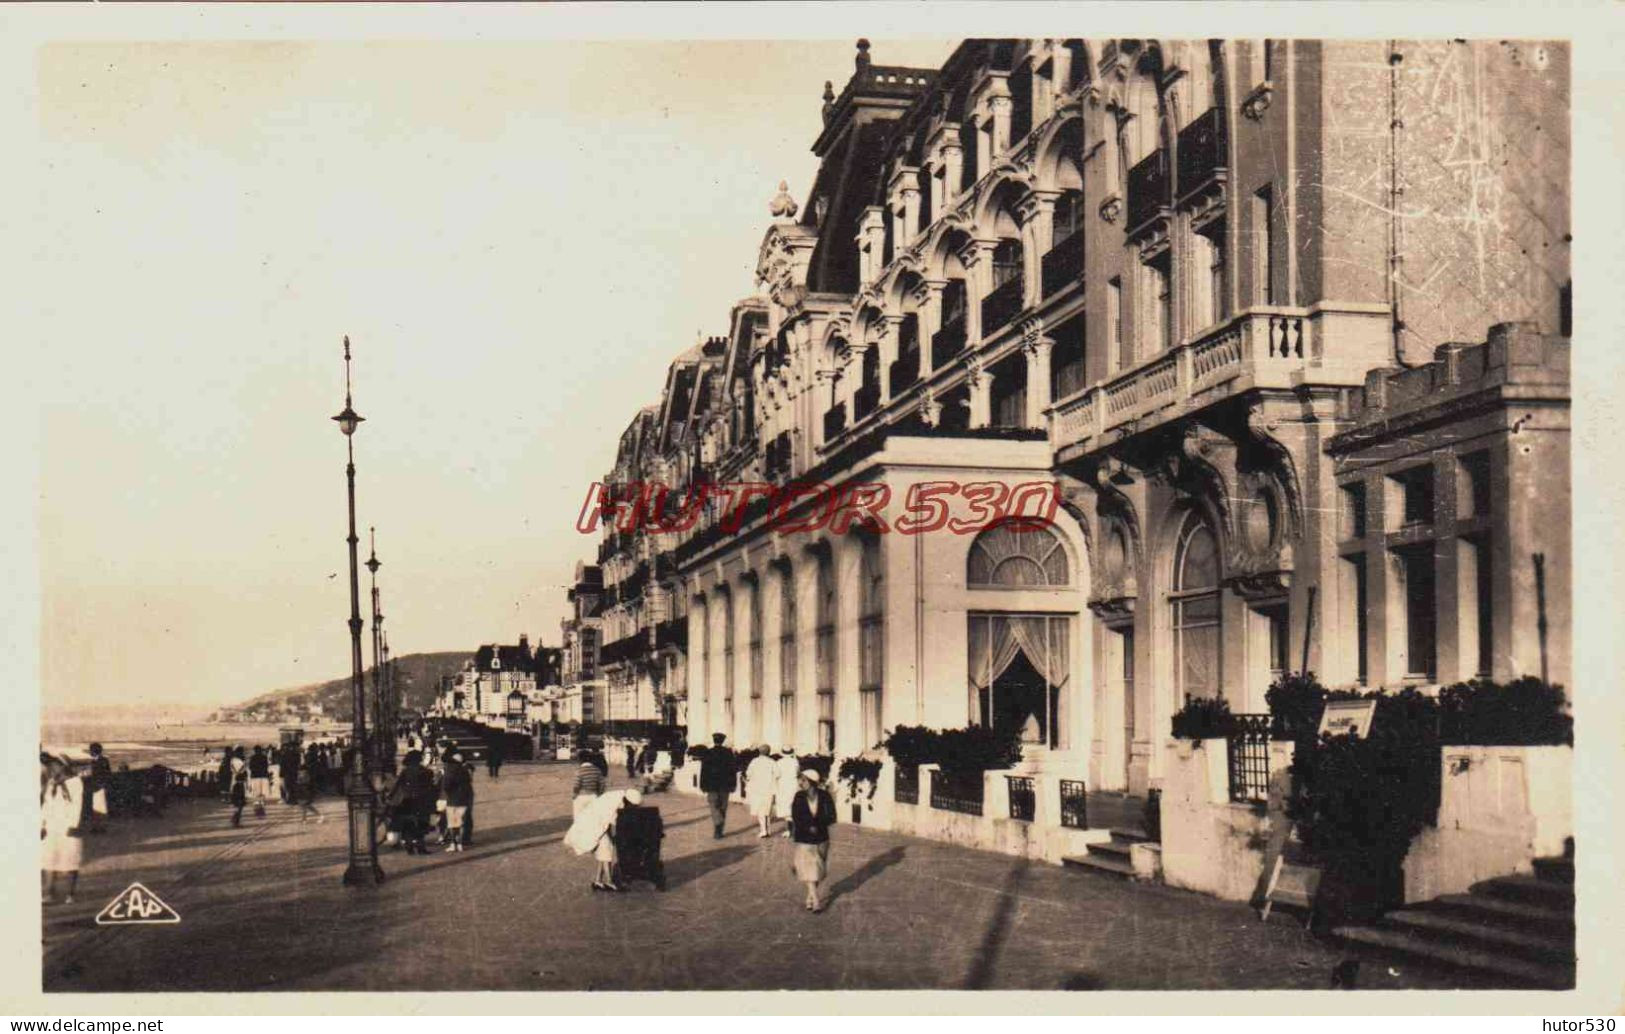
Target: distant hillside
(417, 676)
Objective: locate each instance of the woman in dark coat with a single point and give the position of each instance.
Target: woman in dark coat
(412, 802)
(811, 814)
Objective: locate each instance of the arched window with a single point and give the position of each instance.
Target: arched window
(1195, 602)
(787, 654)
(825, 649)
(755, 602)
(1006, 558)
(871, 640)
(726, 600)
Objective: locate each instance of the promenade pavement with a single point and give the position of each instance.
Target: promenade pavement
(262, 909)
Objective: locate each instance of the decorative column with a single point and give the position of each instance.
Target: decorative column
(1037, 347)
(833, 379)
(953, 165)
(888, 342)
(977, 258)
(1000, 132)
(911, 214)
(980, 382)
(871, 243)
(930, 408)
(852, 371)
(1037, 214)
(928, 309)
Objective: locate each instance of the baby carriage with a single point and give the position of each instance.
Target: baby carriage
(638, 832)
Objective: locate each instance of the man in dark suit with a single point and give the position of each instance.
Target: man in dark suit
(718, 776)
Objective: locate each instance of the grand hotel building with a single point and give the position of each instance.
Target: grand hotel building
(1286, 322)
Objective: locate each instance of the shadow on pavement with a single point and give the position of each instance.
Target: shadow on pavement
(998, 931)
(868, 871)
(688, 868)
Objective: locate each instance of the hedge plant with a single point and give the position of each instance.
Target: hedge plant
(1202, 718)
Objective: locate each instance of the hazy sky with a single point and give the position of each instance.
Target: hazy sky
(517, 238)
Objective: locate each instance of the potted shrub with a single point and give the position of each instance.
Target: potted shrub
(859, 776)
(1202, 718)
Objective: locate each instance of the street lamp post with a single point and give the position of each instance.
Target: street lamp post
(363, 867)
(392, 706)
(373, 564)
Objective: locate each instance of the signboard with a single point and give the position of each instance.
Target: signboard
(1347, 716)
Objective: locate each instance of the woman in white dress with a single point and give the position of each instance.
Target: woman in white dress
(789, 778)
(761, 777)
(594, 831)
(61, 806)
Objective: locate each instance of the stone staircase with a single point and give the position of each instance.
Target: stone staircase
(1512, 931)
(1124, 817)
(1110, 856)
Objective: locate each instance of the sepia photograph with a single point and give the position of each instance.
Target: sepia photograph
(916, 511)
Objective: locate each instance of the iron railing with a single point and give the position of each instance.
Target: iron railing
(1201, 151)
(834, 420)
(1001, 305)
(865, 401)
(904, 371)
(1062, 265)
(907, 788)
(1074, 805)
(1147, 189)
(957, 791)
(947, 342)
(1023, 798)
(1247, 746)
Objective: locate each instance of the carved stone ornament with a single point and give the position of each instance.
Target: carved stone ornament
(1111, 208)
(930, 409)
(783, 206)
(975, 371)
(1256, 103)
(1032, 332)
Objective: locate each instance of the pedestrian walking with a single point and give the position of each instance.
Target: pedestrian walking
(259, 780)
(62, 804)
(812, 812)
(594, 831)
(239, 786)
(789, 784)
(761, 784)
(631, 761)
(494, 756)
(307, 794)
(97, 784)
(718, 775)
(457, 790)
(223, 773)
(290, 773)
(589, 786)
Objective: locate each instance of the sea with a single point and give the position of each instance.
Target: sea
(178, 744)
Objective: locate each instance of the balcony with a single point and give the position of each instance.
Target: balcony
(948, 342)
(1201, 153)
(865, 401)
(905, 372)
(834, 421)
(1147, 190)
(1062, 266)
(1262, 348)
(1001, 305)
(673, 634)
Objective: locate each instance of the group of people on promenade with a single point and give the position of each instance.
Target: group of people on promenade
(282, 773)
(422, 797)
(775, 788)
(72, 803)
